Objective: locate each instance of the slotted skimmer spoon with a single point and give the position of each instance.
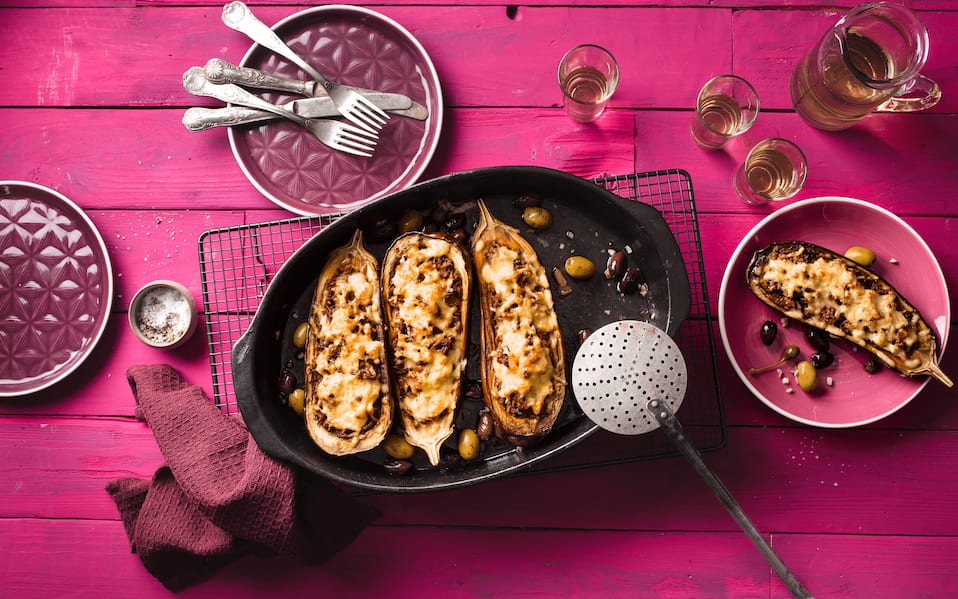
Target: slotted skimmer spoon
(629, 377)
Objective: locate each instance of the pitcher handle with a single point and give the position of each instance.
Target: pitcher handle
(920, 93)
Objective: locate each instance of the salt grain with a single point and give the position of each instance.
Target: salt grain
(789, 390)
(164, 315)
(893, 261)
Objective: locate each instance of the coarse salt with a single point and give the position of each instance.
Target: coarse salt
(164, 315)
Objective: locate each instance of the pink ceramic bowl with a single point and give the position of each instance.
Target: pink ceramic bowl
(856, 397)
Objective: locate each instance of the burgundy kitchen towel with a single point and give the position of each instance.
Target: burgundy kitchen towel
(218, 497)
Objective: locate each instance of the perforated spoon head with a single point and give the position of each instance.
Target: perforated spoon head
(620, 368)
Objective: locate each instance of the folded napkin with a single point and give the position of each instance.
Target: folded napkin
(218, 497)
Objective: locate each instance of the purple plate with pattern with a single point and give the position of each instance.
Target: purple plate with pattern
(352, 46)
(56, 287)
(855, 397)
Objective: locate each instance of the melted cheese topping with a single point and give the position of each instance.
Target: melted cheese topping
(524, 320)
(833, 294)
(345, 378)
(430, 345)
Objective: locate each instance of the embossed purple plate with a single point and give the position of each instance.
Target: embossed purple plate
(855, 397)
(56, 287)
(352, 46)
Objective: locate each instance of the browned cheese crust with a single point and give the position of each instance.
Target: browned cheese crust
(823, 289)
(349, 405)
(426, 286)
(523, 370)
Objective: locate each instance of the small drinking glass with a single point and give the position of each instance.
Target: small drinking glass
(726, 106)
(774, 170)
(588, 76)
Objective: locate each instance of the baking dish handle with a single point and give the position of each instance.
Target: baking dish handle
(256, 419)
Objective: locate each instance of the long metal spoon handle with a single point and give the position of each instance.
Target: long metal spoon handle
(218, 70)
(201, 119)
(196, 83)
(673, 429)
(238, 16)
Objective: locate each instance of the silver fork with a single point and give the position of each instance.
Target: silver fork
(350, 104)
(338, 136)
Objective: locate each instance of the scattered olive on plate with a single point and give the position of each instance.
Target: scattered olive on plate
(861, 255)
(768, 332)
(806, 376)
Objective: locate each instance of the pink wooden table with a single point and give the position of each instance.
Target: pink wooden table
(90, 105)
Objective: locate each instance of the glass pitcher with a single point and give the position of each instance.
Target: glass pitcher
(869, 60)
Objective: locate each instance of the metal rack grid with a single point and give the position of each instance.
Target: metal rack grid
(237, 263)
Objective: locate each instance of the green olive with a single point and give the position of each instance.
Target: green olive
(299, 335)
(579, 267)
(398, 447)
(806, 376)
(537, 217)
(410, 221)
(297, 401)
(861, 255)
(468, 444)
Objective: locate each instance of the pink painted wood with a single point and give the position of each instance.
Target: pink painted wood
(90, 105)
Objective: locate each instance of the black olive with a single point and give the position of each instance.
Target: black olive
(629, 282)
(769, 332)
(817, 338)
(398, 467)
(456, 220)
(459, 235)
(287, 382)
(383, 229)
(486, 426)
(527, 200)
(615, 266)
(822, 359)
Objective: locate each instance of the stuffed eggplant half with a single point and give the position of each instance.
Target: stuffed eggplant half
(426, 285)
(349, 402)
(825, 290)
(523, 365)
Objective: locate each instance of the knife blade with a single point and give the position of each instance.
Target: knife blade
(201, 119)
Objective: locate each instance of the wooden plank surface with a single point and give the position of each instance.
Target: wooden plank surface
(91, 106)
(93, 561)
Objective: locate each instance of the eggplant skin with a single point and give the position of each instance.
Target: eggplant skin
(349, 399)
(823, 289)
(426, 286)
(523, 363)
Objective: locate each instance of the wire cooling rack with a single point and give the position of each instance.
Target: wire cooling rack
(237, 264)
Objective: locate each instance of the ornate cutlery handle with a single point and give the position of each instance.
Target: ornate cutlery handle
(196, 83)
(201, 119)
(218, 70)
(238, 16)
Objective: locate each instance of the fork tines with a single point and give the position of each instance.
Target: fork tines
(364, 113)
(353, 140)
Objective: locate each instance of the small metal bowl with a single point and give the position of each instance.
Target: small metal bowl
(163, 314)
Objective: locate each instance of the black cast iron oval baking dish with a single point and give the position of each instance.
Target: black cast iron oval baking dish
(587, 220)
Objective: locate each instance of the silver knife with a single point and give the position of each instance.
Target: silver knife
(201, 119)
(218, 70)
